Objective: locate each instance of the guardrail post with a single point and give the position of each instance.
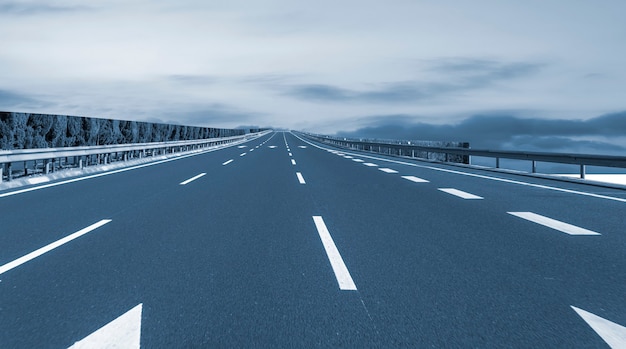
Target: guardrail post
(1, 170)
(534, 166)
(46, 164)
(9, 172)
(497, 162)
(80, 164)
(467, 159)
(582, 171)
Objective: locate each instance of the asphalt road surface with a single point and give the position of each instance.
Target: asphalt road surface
(282, 242)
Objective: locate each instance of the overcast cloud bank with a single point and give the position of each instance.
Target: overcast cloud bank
(600, 135)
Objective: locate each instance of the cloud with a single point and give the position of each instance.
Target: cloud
(192, 79)
(11, 100)
(26, 9)
(455, 76)
(213, 115)
(603, 134)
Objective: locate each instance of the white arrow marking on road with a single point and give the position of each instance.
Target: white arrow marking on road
(272, 146)
(613, 334)
(52, 246)
(553, 223)
(123, 332)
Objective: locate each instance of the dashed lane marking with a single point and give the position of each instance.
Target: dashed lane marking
(242, 154)
(369, 164)
(553, 223)
(388, 170)
(358, 160)
(52, 246)
(192, 179)
(415, 179)
(300, 178)
(503, 180)
(227, 162)
(339, 267)
(293, 162)
(460, 193)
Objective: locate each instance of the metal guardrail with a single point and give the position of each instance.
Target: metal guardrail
(102, 154)
(582, 160)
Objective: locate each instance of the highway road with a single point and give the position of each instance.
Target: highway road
(282, 242)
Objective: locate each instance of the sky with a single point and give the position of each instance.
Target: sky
(533, 74)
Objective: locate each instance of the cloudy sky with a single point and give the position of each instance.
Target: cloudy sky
(416, 68)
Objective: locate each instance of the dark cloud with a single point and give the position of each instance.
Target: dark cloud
(210, 116)
(25, 9)
(459, 75)
(192, 79)
(11, 100)
(508, 132)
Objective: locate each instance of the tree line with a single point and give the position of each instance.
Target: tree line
(28, 131)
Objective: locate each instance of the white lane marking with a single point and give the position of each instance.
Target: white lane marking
(251, 150)
(192, 178)
(497, 179)
(227, 162)
(123, 332)
(349, 157)
(38, 180)
(293, 162)
(242, 154)
(300, 178)
(613, 334)
(553, 223)
(290, 154)
(302, 146)
(51, 246)
(339, 267)
(460, 193)
(272, 146)
(78, 179)
(242, 146)
(388, 170)
(415, 179)
(358, 160)
(369, 164)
